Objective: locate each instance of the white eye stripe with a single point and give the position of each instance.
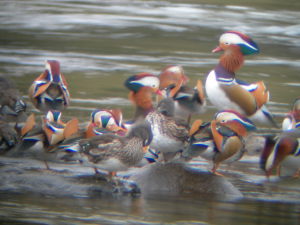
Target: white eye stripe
(148, 81)
(230, 38)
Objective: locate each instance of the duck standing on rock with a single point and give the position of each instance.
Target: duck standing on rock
(222, 140)
(170, 134)
(49, 91)
(12, 114)
(115, 153)
(188, 101)
(228, 93)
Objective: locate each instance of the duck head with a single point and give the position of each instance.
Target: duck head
(142, 87)
(235, 121)
(172, 75)
(235, 46)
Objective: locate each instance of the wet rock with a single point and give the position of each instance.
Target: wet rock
(179, 179)
(21, 175)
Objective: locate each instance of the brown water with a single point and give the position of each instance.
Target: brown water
(101, 43)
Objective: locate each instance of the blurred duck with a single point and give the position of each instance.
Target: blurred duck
(226, 92)
(170, 134)
(221, 140)
(142, 87)
(105, 121)
(283, 150)
(12, 107)
(56, 130)
(115, 153)
(188, 101)
(49, 91)
(12, 114)
(292, 120)
(39, 140)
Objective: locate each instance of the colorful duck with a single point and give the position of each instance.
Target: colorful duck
(40, 140)
(226, 92)
(142, 87)
(115, 153)
(188, 101)
(221, 140)
(283, 149)
(49, 91)
(170, 134)
(105, 121)
(292, 119)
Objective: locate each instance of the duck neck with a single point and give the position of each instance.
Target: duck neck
(143, 101)
(232, 59)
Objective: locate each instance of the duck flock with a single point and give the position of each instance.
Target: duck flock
(167, 123)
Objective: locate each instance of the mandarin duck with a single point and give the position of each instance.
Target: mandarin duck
(105, 121)
(170, 134)
(226, 92)
(39, 140)
(188, 101)
(281, 151)
(142, 87)
(292, 119)
(114, 153)
(49, 91)
(12, 114)
(222, 140)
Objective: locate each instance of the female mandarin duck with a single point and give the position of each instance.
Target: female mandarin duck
(292, 120)
(226, 92)
(283, 150)
(221, 140)
(49, 91)
(142, 86)
(188, 101)
(105, 121)
(170, 134)
(115, 153)
(12, 114)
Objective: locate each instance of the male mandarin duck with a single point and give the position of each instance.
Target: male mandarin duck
(40, 140)
(226, 92)
(221, 140)
(283, 150)
(188, 101)
(292, 120)
(49, 91)
(115, 153)
(56, 130)
(142, 87)
(105, 121)
(170, 134)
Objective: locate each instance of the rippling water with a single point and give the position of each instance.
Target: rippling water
(101, 43)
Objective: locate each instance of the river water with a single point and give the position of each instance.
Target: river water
(100, 43)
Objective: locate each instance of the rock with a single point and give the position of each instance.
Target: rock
(22, 175)
(179, 179)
